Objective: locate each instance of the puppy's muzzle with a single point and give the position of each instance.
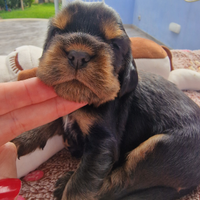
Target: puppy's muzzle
(78, 59)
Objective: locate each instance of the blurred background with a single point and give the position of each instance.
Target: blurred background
(172, 23)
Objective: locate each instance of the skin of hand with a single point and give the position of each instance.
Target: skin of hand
(8, 155)
(28, 104)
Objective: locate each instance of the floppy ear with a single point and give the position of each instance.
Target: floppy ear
(128, 78)
(52, 31)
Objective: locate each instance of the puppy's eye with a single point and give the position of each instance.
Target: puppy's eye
(116, 46)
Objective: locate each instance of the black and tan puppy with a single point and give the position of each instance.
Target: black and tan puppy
(138, 137)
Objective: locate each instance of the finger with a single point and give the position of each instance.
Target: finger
(8, 155)
(18, 121)
(14, 95)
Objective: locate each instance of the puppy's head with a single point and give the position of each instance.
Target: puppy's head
(87, 55)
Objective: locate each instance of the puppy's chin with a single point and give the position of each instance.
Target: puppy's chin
(78, 92)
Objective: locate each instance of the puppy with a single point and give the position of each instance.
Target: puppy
(138, 137)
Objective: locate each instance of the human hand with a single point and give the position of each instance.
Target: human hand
(28, 104)
(9, 184)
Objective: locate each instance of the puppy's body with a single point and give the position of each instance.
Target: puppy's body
(153, 130)
(138, 138)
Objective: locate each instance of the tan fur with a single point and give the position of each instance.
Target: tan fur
(80, 47)
(66, 144)
(142, 151)
(120, 178)
(53, 68)
(76, 91)
(111, 29)
(84, 196)
(62, 19)
(84, 120)
(95, 84)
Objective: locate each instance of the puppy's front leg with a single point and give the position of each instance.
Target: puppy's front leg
(98, 158)
(37, 138)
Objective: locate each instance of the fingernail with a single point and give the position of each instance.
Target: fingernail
(9, 188)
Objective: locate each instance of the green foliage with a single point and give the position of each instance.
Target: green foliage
(2, 4)
(14, 4)
(28, 2)
(45, 11)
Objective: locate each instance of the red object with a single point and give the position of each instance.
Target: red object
(20, 198)
(9, 188)
(34, 176)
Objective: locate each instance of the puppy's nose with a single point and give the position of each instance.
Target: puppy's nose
(78, 59)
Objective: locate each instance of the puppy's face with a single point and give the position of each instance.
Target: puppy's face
(87, 55)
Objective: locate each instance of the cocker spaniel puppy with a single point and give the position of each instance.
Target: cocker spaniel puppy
(138, 137)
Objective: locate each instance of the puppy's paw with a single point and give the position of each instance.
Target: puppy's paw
(29, 141)
(113, 185)
(25, 144)
(60, 185)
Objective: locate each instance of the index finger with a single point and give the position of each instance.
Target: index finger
(14, 95)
